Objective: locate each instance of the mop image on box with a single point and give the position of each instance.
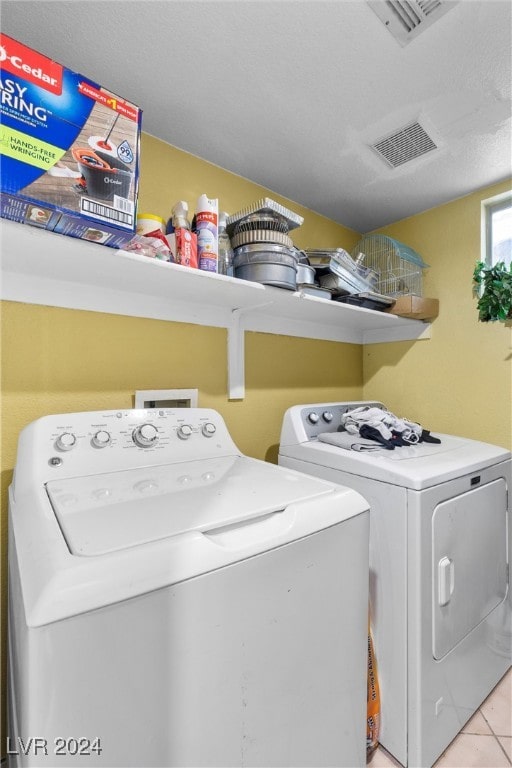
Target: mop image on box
(103, 143)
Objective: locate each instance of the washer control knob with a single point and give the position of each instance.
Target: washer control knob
(102, 493)
(184, 431)
(313, 418)
(145, 435)
(327, 416)
(101, 439)
(209, 429)
(66, 441)
(146, 486)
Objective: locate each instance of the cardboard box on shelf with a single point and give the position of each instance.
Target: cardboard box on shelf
(69, 149)
(415, 307)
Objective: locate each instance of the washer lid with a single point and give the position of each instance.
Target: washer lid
(104, 513)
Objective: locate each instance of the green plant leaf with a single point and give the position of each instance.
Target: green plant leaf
(492, 285)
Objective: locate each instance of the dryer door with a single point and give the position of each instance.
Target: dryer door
(469, 547)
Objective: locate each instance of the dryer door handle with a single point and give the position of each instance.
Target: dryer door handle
(446, 580)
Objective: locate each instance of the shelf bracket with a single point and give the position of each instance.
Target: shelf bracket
(236, 350)
(236, 357)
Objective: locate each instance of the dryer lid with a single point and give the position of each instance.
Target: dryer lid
(417, 466)
(104, 513)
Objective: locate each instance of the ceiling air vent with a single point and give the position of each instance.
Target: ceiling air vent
(404, 145)
(406, 19)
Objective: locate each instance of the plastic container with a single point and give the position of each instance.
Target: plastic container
(225, 262)
(149, 222)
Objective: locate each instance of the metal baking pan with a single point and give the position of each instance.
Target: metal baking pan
(305, 273)
(387, 301)
(341, 284)
(321, 257)
(265, 205)
(255, 253)
(314, 290)
(367, 300)
(278, 274)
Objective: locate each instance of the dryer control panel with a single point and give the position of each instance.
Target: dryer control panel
(326, 417)
(77, 444)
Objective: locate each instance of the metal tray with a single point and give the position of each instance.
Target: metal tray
(265, 205)
(314, 290)
(367, 300)
(340, 284)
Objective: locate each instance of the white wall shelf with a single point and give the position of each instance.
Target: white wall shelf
(40, 267)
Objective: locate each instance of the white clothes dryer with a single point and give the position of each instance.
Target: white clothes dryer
(175, 603)
(440, 542)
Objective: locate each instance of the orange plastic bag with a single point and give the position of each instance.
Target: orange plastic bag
(373, 702)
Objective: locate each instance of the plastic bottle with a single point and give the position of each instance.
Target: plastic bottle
(225, 266)
(182, 242)
(179, 217)
(207, 233)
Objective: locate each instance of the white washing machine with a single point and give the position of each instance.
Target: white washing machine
(174, 603)
(440, 542)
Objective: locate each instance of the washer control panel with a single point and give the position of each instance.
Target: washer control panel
(76, 444)
(123, 429)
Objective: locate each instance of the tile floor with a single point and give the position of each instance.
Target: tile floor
(484, 742)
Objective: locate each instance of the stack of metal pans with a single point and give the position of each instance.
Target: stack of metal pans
(306, 279)
(267, 263)
(349, 279)
(343, 275)
(263, 249)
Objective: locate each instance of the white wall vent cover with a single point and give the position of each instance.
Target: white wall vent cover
(406, 19)
(404, 145)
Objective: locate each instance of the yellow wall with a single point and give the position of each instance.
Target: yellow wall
(57, 360)
(461, 380)
(169, 175)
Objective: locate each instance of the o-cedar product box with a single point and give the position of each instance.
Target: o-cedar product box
(69, 150)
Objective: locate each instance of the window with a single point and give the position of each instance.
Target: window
(497, 229)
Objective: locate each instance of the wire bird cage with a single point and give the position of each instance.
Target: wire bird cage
(399, 267)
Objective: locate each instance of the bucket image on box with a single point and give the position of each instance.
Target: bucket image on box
(102, 175)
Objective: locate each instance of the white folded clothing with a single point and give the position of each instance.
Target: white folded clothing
(383, 420)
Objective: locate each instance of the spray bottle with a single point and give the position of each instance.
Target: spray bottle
(207, 214)
(182, 241)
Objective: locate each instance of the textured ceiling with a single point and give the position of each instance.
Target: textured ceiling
(291, 94)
